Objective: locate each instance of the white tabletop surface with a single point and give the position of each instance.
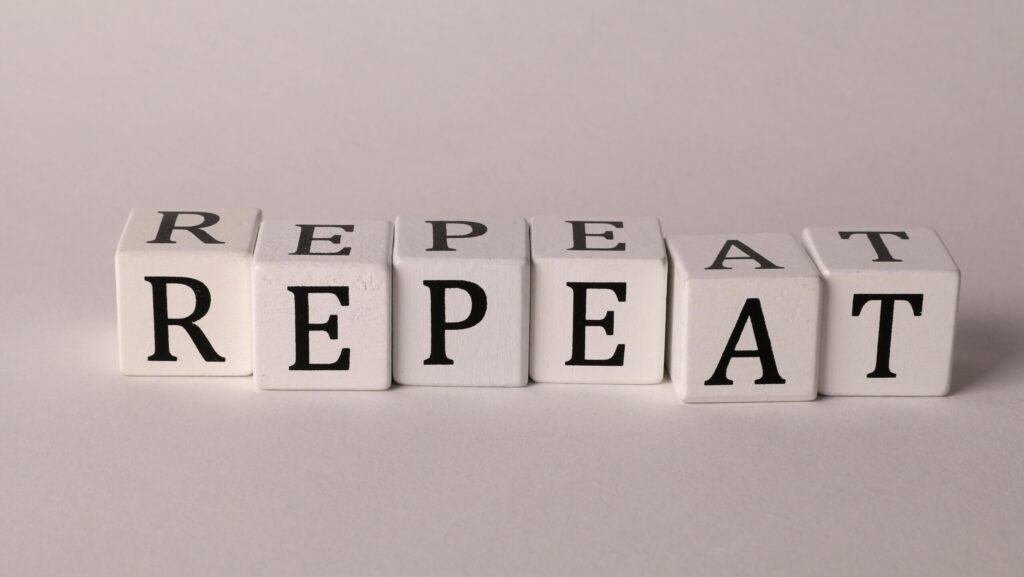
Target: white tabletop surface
(715, 117)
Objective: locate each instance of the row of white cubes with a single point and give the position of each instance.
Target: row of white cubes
(328, 304)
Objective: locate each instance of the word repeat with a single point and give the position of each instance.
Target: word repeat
(358, 304)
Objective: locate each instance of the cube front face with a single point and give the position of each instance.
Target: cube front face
(322, 306)
(462, 301)
(891, 299)
(183, 292)
(599, 300)
(791, 310)
(743, 329)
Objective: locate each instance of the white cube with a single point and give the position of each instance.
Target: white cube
(183, 292)
(322, 305)
(599, 288)
(745, 314)
(891, 297)
(462, 301)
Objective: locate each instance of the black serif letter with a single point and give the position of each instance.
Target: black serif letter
(882, 253)
(439, 323)
(441, 234)
(751, 254)
(307, 234)
(580, 322)
(169, 224)
(752, 314)
(888, 306)
(303, 327)
(580, 234)
(162, 322)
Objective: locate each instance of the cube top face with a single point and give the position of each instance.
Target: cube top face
(312, 241)
(436, 238)
(596, 238)
(741, 256)
(877, 249)
(227, 231)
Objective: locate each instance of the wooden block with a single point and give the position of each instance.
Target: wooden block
(322, 297)
(183, 302)
(599, 289)
(745, 314)
(891, 297)
(462, 301)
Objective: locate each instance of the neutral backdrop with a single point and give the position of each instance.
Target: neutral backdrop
(716, 117)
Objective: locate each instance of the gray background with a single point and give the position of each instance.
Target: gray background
(716, 117)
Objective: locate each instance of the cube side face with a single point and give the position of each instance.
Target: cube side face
(143, 277)
(638, 320)
(918, 358)
(362, 324)
(493, 351)
(674, 305)
(787, 368)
